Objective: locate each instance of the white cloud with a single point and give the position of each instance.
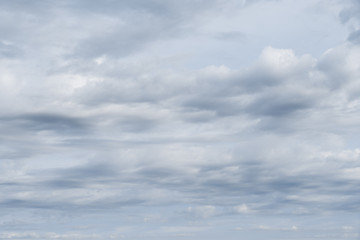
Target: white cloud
(268, 228)
(202, 211)
(243, 208)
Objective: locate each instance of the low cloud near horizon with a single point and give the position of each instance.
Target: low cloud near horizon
(179, 119)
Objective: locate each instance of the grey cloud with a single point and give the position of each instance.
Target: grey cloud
(70, 187)
(277, 104)
(221, 106)
(32, 21)
(123, 90)
(141, 22)
(234, 99)
(334, 65)
(140, 132)
(137, 124)
(34, 128)
(73, 177)
(22, 5)
(354, 37)
(352, 13)
(31, 204)
(247, 183)
(266, 182)
(8, 50)
(346, 14)
(196, 116)
(257, 80)
(118, 28)
(169, 8)
(48, 121)
(139, 33)
(89, 172)
(65, 184)
(269, 187)
(157, 173)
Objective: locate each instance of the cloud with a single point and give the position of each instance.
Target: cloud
(350, 15)
(202, 211)
(354, 37)
(243, 208)
(8, 50)
(154, 116)
(267, 228)
(165, 162)
(51, 122)
(143, 22)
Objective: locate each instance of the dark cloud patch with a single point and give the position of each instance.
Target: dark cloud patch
(80, 176)
(56, 204)
(167, 179)
(352, 13)
(354, 37)
(58, 123)
(277, 105)
(87, 172)
(19, 203)
(65, 184)
(349, 12)
(158, 173)
(264, 184)
(260, 94)
(258, 80)
(222, 107)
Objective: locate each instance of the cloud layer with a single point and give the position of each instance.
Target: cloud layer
(152, 119)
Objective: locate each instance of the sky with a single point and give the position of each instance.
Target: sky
(189, 120)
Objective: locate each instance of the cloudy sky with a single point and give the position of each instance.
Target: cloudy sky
(169, 119)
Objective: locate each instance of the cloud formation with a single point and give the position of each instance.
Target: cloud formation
(152, 119)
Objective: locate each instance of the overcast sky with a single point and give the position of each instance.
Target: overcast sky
(180, 119)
